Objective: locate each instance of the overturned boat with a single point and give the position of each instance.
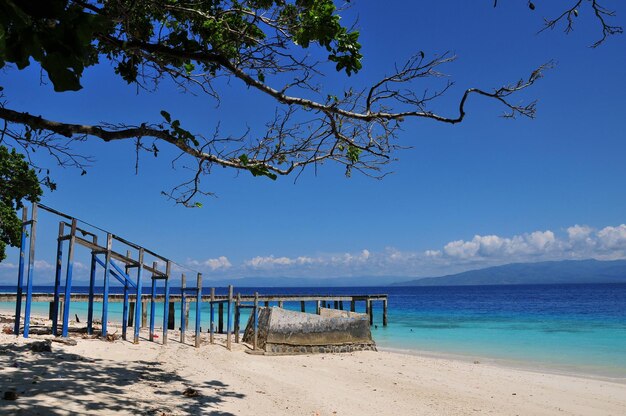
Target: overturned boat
(281, 331)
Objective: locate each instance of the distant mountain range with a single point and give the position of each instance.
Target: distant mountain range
(547, 272)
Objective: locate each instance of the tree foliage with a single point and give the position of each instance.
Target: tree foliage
(18, 182)
(270, 46)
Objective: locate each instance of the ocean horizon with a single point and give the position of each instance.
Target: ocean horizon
(578, 328)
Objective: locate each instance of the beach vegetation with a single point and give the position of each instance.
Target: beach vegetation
(18, 182)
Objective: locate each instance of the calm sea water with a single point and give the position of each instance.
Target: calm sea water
(579, 328)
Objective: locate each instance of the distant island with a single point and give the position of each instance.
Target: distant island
(547, 272)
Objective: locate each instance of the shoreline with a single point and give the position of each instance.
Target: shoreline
(575, 370)
(532, 366)
(99, 377)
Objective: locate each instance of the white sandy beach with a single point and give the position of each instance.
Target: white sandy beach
(98, 377)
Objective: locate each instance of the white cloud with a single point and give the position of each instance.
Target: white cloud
(575, 242)
(270, 262)
(493, 246)
(219, 263)
(7, 265)
(579, 233)
(613, 237)
(42, 265)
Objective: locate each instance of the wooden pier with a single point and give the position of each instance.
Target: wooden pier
(108, 258)
(240, 301)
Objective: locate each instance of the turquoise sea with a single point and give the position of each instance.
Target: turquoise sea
(573, 328)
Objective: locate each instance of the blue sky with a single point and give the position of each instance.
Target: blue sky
(487, 191)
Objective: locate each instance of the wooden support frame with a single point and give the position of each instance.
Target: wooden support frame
(61, 310)
(183, 323)
(212, 317)
(20, 274)
(57, 280)
(198, 309)
(229, 318)
(105, 290)
(166, 301)
(385, 312)
(126, 308)
(30, 270)
(152, 305)
(92, 285)
(237, 317)
(255, 340)
(68, 280)
(220, 318)
(138, 299)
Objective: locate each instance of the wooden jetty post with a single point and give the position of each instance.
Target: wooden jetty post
(152, 303)
(318, 308)
(92, 286)
(302, 306)
(220, 317)
(20, 274)
(166, 301)
(212, 317)
(280, 304)
(198, 308)
(57, 280)
(267, 303)
(171, 316)
(144, 313)
(183, 323)
(371, 309)
(384, 312)
(228, 320)
(31, 269)
(138, 297)
(237, 317)
(128, 311)
(352, 305)
(256, 320)
(105, 289)
(68, 282)
(131, 318)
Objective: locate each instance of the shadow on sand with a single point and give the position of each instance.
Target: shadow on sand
(56, 383)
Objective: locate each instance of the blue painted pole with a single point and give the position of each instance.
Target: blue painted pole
(138, 298)
(229, 310)
(198, 308)
(20, 274)
(105, 289)
(68, 281)
(92, 284)
(153, 302)
(212, 326)
(166, 302)
(57, 281)
(31, 269)
(183, 323)
(125, 316)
